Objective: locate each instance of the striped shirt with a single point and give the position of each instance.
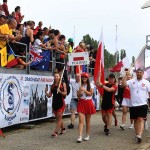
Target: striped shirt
(75, 87)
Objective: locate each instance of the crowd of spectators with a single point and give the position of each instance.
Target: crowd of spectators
(14, 29)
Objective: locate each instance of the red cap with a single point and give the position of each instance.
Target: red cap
(85, 74)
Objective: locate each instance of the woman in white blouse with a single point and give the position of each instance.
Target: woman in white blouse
(85, 106)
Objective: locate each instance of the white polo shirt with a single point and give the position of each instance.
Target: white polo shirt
(84, 95)
(139, 91)
(75, 86)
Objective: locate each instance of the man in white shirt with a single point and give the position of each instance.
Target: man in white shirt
(74, 101)
(139, 90)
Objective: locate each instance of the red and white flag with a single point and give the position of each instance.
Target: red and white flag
(99, 63)
(121, 66)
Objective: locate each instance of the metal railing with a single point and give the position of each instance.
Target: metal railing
(53, 60)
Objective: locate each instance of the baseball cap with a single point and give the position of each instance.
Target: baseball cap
(140, 69)
(70, 40)
(85, 74)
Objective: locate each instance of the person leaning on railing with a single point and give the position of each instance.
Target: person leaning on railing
(3, 19)
(6, 33)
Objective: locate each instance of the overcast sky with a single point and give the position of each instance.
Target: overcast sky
(88, 16)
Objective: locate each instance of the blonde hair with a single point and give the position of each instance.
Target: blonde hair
(82, 45)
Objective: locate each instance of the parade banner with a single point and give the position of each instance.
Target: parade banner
(81, 58)
(23, 99)
(13, 105)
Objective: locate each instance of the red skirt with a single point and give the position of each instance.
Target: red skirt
(62, 109)
(86, 107)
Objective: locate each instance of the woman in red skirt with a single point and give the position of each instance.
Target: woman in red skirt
(85, 106)
(58, 103)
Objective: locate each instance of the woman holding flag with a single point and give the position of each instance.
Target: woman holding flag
(108, 101)
(85, 106)
(59, 91)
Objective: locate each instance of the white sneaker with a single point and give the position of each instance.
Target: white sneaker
(79, 140)
(86, 138)
(131, 126)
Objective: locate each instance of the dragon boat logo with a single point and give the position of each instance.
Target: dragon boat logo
(10, 97)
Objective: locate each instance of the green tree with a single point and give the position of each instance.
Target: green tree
(122, 54)
(116, 55)
(90, 41)
(133, 60)
(109, 59)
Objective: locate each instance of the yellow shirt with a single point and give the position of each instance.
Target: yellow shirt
(4, 30)
(70, 49)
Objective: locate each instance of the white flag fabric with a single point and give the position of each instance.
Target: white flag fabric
(126, 64)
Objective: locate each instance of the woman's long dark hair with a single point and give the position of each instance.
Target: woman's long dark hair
(88, 84)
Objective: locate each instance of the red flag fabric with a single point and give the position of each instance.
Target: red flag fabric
(117, 68)
(78, 58)
(99, 64)
(124, 63)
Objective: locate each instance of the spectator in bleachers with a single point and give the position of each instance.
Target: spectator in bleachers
(38, 28)
(1, 10)
(70, 45)
(80, 48)
(19, 29)
(38, 43)
(5, 8)
(28, 34)
(45, 33)
(18, 15)
(33, 25)
(3, 19)
(51, 34)
(22, 64)
(60, 56)
(55, 37)
(13, 14)
(6, 32)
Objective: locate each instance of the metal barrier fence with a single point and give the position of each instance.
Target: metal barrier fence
(53, 61)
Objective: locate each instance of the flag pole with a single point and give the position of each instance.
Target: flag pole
(61, 78)
(116, 45)
(79, 67)
(116, 49)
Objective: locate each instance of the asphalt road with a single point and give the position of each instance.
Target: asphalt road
(39, 138)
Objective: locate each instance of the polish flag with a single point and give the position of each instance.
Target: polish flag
(121, 66)
(99, 63)
(78, 58)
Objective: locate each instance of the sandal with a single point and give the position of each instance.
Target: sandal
(54, 135)
(63, 131)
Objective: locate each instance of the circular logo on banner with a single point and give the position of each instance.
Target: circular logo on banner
(10, 98)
